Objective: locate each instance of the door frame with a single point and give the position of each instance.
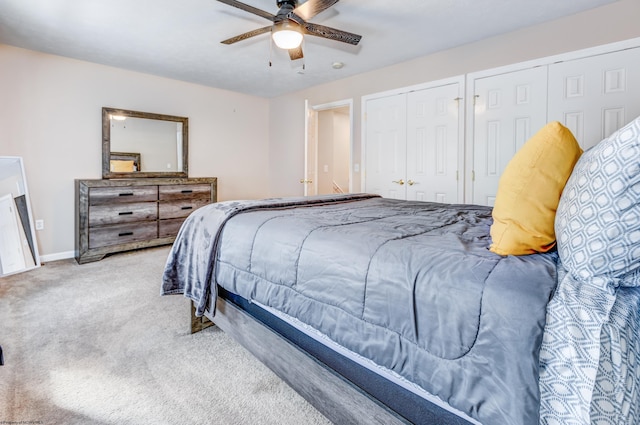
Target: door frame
(311, 112)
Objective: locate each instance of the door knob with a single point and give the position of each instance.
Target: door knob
(411, 182)
(303, 181)
(400, 182)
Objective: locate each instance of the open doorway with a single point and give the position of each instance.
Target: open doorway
(328, 148)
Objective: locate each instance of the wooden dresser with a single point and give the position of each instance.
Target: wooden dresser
(125, 214)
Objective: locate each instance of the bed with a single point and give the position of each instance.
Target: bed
(385, 311)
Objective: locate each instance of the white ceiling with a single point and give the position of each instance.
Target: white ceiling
(180, 39)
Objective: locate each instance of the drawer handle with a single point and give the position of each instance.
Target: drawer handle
(125, 194)
(125, 234)
(187, 208)
(126, 213)
(187, 191)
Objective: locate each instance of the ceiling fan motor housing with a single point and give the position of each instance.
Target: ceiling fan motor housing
(292, 3)
(286, 7)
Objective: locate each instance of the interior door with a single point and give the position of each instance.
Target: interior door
(432, 144)
(595, 96)
(509, 109)
(11, 254)
(386, 146)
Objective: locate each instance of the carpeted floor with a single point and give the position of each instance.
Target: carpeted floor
(97, 344)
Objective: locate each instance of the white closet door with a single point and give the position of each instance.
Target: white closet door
(11, 255)
(595, 96)
(432, 144)
(509, 109)
(386, 136)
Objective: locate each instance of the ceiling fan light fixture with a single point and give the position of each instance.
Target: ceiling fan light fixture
(286, 36)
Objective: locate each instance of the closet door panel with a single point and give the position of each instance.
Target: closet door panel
(432, 144)
(509, 109)
(386, 146)
(597, 95)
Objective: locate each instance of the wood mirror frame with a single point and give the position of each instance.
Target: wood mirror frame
(107, 153)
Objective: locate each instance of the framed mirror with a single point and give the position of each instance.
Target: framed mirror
(143, 144)
(18, 245)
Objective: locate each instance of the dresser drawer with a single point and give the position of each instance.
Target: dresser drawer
(185, 191)
(170, 227)
(122, 213)
(122, 233)
(124, 194)
(177, 209)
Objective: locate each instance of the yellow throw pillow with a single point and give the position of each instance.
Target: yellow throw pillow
(529, 192)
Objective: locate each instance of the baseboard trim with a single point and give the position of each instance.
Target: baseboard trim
(57, 256)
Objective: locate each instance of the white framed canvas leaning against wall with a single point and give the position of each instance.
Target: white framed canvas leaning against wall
(18, 245)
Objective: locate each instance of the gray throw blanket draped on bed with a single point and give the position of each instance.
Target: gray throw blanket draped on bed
(191, 264)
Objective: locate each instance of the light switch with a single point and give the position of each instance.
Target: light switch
(326, 168)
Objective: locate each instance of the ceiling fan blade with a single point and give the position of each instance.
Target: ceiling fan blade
(311, 8)
(331, 33)
(296, 53)
(248, 34)
(249, 9)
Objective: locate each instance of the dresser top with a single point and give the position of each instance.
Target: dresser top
(144, 181)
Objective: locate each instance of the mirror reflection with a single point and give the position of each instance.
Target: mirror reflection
(141, 144)
(18, 246)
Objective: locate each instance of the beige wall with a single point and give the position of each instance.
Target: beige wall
(50, 114)
(341, 148)
(607, 24)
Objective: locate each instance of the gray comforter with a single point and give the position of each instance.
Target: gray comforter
(409, 285)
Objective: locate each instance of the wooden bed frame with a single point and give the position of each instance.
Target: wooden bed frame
(337, 398)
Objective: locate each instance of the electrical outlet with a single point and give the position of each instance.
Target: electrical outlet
(39, 224)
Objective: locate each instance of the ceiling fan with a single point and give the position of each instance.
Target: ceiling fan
(290, 24)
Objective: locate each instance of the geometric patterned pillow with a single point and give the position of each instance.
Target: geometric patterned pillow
(598, 218)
